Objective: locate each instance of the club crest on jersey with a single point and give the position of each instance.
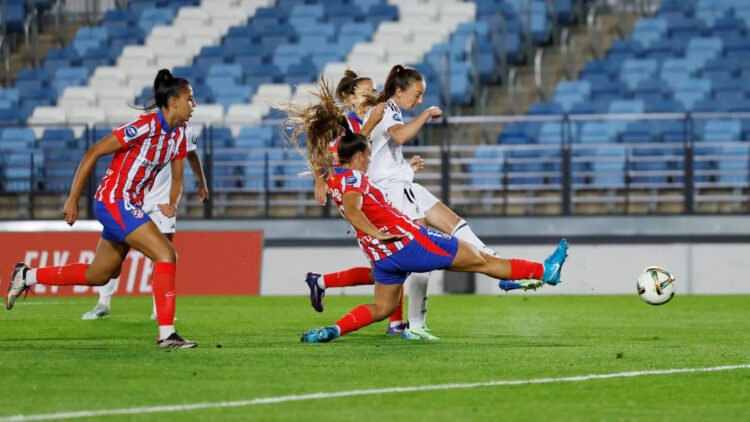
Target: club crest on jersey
(131, 131)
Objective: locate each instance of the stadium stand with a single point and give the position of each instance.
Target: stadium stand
(686, 62)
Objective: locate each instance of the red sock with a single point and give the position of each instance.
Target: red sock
(68, 275)
(358, 276)
(520, 269)
(398, 314)
(164, 295)
(359, 317)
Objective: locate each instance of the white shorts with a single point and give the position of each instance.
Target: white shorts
(412, 199)
(165, 224)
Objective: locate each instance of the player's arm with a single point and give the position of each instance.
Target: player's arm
(195, 164)
(320, 185)
(175, 190)
(106, 146)
(405, 133)
(375, 117)
(353, 211)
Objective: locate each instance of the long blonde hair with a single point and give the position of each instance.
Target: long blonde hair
(320, 122)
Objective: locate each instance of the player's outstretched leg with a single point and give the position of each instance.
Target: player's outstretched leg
(17, 284)
(386, 301)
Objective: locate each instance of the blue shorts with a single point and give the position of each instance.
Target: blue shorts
(119, 219)
(433, 250)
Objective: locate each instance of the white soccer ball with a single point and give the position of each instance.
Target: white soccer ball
(656, 285)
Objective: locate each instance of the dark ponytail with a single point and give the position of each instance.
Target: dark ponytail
(350, 144)
(399, 77)
(166, 86)
(348, 84)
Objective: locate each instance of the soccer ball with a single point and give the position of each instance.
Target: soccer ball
(656, 286)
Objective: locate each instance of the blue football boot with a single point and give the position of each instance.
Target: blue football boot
(320, 335)
(554, 263)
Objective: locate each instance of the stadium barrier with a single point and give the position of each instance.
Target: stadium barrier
(203, 261)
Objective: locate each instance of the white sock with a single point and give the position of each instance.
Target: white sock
(104, 300)
(165, 331)
(109, 288)
(463, 232)
(417, 283)
(321, 283)
(30, 278)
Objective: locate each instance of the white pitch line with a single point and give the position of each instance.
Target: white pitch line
(351, 393)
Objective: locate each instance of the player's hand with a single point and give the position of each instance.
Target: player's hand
(203, 192)
(320, 190)
(416, 163)
(388, 237)
(377, 113)
(70, 210)
(168, 210)
(434, 113)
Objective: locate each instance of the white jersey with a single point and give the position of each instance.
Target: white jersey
(159, 192)
(388, 164)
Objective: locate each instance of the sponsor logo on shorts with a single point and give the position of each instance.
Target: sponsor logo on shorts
(438, 233)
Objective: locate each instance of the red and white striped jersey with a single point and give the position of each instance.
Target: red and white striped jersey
(377, 209)
(148, 145)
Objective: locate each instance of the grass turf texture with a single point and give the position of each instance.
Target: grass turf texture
(51, 361)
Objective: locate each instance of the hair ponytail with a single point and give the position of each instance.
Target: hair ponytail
(320, 123)
(165, 87)
(399, 77)
(347, 86)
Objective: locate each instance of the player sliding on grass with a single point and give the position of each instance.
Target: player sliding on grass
(395, 245)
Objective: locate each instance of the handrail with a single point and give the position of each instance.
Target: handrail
(567, 53)
(538, 74)
(594, 30)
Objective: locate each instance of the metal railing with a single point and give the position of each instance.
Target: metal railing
(564, 173)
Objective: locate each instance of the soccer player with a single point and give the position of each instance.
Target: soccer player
(156, 204)
(141, 148)
(395, 244)
(405, 88)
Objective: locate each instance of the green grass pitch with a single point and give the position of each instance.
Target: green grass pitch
(53, 362)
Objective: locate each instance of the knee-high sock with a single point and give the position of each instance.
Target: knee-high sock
(397, 317)
(164, 295)
(464, 232)
(417, 284)
(357, 318)
(520, 269)
(357, 276)
(67, 275)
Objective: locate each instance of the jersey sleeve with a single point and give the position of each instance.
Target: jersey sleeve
(133, 132)
(356, 182)
(191, 139)
(182, 145)
(391, 117)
